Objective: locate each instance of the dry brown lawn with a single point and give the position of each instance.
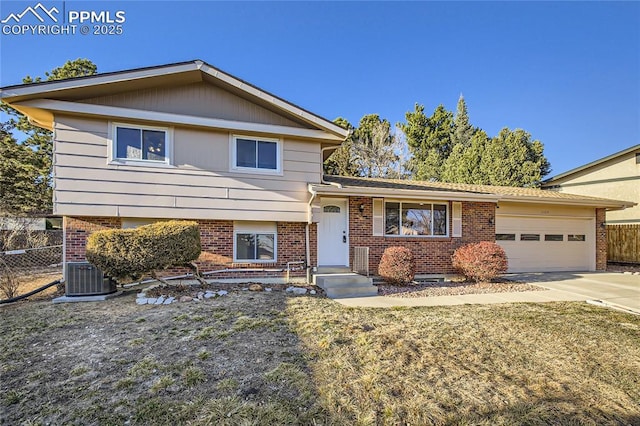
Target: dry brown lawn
(270, 359)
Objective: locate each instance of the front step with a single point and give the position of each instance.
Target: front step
(345, 285)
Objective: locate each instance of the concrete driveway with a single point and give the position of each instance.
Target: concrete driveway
(615, 289)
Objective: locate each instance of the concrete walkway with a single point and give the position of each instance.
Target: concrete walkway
(613, 289)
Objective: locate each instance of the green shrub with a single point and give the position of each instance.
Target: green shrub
(397, 265)
(481, 261)
(132, 253)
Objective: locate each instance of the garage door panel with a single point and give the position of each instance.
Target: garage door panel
(539, 256)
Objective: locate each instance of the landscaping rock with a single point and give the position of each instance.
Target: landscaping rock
(627, 272)
(255, 287)
(151, 301)
(186, 299)
(169, 300)
(222, 292)
(209, 295)
(312, 292)
(296, 290)
(268, 289)
(200, 295)
(159, 300)
(141, 301)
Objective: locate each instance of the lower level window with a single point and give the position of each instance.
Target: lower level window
(255, 247)
(254, 241)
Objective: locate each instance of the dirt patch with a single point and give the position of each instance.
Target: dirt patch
(28, 283)
(452, 288)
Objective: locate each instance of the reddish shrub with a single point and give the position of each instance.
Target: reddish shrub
(397, 265)
(482, 261)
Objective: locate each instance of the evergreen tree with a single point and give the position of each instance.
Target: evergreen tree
(370, 150)
(462, 129)
(341, 161)
(513, 159)
(31, 187)
(429, 140)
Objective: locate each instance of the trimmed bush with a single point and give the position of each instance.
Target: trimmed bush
(397, 265)
(481, 261)
(132, 253)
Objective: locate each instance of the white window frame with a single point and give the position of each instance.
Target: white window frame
(233, 155)
(424, 202)
(255, 228)
(113, 146)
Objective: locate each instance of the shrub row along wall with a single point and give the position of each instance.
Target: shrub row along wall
(217, 245)
(432, 255)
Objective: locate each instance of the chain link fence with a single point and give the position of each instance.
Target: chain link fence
(28, 259)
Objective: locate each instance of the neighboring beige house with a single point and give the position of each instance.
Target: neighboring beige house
(189, 141)
(616, 176)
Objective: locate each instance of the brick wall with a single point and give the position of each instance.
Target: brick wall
(217, 246)
(76, 231)
(601, 241)
(433, 255)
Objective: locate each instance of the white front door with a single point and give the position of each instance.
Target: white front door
(333, 233)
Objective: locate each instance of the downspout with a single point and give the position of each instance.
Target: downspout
(307, 238)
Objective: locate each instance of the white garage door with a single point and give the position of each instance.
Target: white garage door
(546, 244)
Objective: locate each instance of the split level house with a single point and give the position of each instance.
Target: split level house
(189, 141)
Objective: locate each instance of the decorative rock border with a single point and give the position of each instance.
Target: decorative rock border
(164, 299)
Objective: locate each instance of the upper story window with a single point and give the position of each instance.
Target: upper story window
(253, 154)
(135, 143)
(416, 219)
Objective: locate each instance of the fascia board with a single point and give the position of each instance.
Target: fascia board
(78, 108)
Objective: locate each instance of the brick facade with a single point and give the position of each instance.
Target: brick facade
(76, 231)
(433, 255)
(217, 247)
(601, 241)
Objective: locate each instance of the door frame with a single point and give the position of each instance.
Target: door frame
(327, 201)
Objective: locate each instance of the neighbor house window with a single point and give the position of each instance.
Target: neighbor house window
(554, 237)
(256, 154)
(254, 242)
(576, 237)
(416, 219)
(140, 143)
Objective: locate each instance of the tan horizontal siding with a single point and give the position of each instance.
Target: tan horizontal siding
(200, 180)
(146, 176)
(142, 200)
(93, 186)
(86, 137)
(63, 209)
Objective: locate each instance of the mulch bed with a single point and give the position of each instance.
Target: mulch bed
(451, 288)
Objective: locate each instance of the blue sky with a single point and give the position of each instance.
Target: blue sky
(567, 72)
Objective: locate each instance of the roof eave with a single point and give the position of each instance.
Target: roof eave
(589, 165)
(321, 189)
(608, 204)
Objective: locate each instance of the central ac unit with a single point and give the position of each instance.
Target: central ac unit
(84, 279)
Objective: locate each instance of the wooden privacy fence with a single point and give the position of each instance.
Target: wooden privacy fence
(623, 243)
